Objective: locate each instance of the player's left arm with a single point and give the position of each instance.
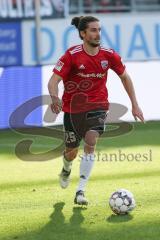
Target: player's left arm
(128, 85)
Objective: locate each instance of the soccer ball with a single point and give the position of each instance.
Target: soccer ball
(122, 202)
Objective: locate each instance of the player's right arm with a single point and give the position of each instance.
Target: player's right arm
(56, 105)
(60, 71)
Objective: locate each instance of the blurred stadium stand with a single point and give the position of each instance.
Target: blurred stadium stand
(106, 6)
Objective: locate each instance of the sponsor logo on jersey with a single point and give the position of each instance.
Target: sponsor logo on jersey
(81, 66)
(92, 75)
(59, 65)
(104, 64)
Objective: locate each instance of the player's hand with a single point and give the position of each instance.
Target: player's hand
(137, 113)
(56, 105)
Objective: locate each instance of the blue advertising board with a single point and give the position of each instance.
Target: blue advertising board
(10, 44)
(19, 85)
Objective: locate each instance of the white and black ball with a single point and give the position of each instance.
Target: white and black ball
(122, 202)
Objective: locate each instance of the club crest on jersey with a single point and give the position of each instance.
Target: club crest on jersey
(104, 64)
(59, 65)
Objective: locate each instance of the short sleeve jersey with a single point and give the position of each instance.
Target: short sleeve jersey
(85, 76)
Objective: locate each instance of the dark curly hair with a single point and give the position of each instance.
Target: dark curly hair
(81, 23)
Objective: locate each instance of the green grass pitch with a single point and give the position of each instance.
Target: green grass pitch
(34, 207)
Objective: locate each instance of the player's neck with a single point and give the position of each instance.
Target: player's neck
(90, 50)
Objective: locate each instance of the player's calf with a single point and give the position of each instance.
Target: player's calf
(64, 178)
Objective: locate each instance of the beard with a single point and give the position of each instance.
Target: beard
(94, 44)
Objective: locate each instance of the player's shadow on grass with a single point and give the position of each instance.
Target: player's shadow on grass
(77, 218)
(58, 228)
(119, 218)
(56, 224)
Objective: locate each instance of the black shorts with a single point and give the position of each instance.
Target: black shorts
(77, 124)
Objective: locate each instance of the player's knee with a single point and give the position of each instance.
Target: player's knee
(71, 154)
(89, 149)
(90, 141)
(91, 138)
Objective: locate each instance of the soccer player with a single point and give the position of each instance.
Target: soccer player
(83, 69)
